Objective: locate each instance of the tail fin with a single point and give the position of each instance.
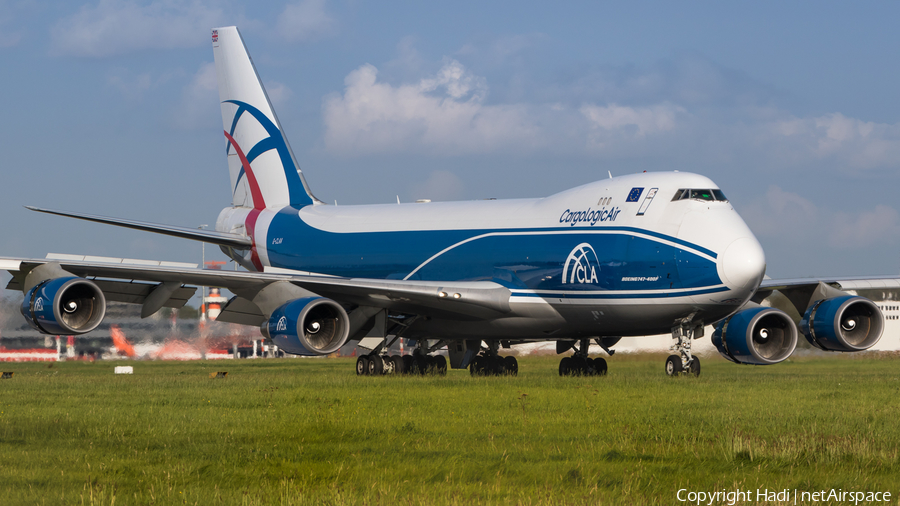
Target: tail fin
(264, 172)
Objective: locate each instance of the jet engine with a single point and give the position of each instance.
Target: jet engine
(759, 335)
(848, 323)
(64, 306)
(309, 326)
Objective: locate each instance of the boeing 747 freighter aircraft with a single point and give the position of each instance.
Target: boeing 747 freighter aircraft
(635, 255)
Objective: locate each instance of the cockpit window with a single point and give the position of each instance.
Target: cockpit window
(680, 194)
(702, 195)
(699, 194)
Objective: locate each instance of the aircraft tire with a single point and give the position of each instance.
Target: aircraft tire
(376, 365)
(422, 364)
(362, 366)
(511, 365)
(409, 363)
(476, 368)
(673, 365)
(399, 364)
(497, 367)
(600, 366)
(565, 366)
(579, 366)
(440, 365)
(695, 367)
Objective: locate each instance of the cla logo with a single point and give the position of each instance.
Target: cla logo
(581, 265)
(39, 304)
(281, 326)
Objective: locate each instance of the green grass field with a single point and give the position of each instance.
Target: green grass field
(296, 431)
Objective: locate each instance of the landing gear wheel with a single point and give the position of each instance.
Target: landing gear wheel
(600, 366)
(399, 364)
(673, 365)
(409, 364)
(511, 365)
(421, 364)
(497, 366)
(589, 369)
(440, 365)
(362, 365)
(376, 365)
(694, 368)
(565, 366)
(475, 368)
(579, 366)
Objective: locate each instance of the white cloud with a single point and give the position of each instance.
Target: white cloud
(444, 113)
(855, 143)
(199, 100)
(113, 27)
(788, 217)
(440, 185)
(615, 121)
(304, 20)
(683, 114)
(877, 226)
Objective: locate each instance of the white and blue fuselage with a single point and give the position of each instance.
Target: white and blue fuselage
(615, 257)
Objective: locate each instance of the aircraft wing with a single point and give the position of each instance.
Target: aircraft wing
(134, 282)
(795, 295)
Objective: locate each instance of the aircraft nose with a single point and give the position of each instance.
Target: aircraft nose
(743, 264)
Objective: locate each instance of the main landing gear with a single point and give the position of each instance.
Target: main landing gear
(685, 362)
(580, 364)
(490, 363)
(376, 364)
(420, 362)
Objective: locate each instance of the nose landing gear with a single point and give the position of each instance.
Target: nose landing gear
(685, 362)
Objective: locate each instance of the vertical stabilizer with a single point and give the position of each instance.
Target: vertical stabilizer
(264, 172)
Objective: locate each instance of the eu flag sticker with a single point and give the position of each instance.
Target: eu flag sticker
(634, 195)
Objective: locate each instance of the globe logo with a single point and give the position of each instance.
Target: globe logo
(581, 265)
(39, 304)
(281, 326)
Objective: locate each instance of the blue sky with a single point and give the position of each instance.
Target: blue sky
(111, 108)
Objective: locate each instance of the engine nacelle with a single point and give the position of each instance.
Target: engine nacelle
(309, 326)
(760, 335)
(64, 306)
(848, 323)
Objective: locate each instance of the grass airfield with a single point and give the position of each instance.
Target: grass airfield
(295, 431)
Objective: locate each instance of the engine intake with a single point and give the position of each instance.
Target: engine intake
(848, 323)
(760, 335)
(309, 326)
(64, 306)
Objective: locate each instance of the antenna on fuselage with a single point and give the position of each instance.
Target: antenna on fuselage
(610, 174)
(398, 199)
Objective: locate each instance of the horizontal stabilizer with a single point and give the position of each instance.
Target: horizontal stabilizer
(210, 236)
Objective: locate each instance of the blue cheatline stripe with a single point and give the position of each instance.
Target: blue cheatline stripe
(298, 195)
(569, 295)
